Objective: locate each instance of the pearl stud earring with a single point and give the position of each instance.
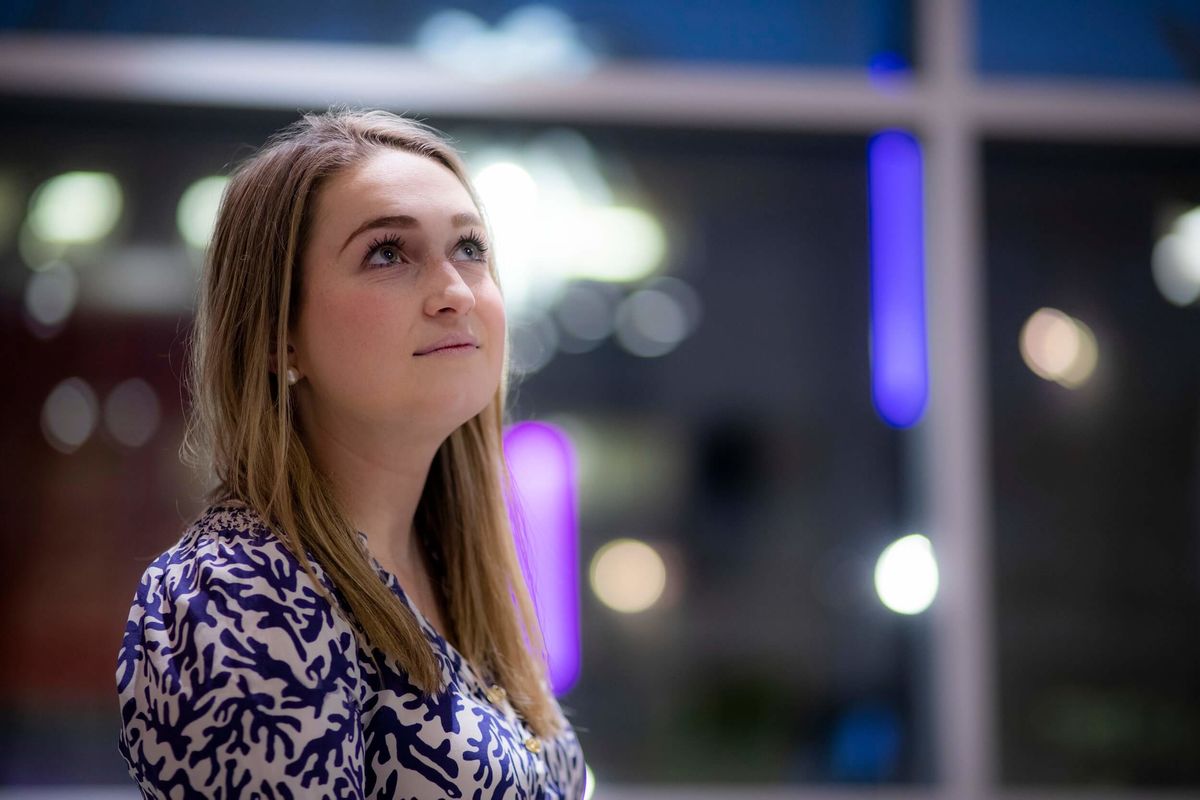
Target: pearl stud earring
(292, 375)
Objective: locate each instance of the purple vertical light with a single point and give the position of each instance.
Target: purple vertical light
(542, 463)
(899, 362)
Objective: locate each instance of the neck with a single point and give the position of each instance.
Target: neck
(379, 481)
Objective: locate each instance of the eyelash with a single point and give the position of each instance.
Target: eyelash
(475, 239)
(380, 242)
(471, 238)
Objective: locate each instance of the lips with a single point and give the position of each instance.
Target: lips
(453, 340)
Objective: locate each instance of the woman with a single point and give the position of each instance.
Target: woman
(347, 617)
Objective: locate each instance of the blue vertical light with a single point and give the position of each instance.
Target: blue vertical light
(899, 360)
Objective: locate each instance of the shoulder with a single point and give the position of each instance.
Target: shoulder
(231, 582)
(229, 548)
(225, 535)
(228, 634)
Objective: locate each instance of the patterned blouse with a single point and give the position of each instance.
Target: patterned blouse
(236, 678)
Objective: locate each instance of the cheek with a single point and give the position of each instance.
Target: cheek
(351, 336)
(489, 306)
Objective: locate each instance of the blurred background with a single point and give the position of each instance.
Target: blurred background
(869, 328)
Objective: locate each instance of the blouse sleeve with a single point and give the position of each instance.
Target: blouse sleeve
(236, 679)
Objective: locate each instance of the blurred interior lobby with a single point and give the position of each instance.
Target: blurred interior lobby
(869, 331)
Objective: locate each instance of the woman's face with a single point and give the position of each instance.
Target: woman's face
(396, 264)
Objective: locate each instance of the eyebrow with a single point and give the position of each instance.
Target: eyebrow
(460, 220)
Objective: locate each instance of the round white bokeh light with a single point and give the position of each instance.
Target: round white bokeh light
(131, 412)
(196, 214)
(628, 575)
(75, 207)
(1175, 261)
(69, 415)
(51, 294)
(650, 323)
(906, 575)
(584, 312)
(1059, 347)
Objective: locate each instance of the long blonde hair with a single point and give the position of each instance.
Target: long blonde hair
(241, 424)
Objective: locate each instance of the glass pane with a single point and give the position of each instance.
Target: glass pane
(1090, 39)
(1094, 455)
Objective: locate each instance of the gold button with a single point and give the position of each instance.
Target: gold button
(533, 744)
(496, 694)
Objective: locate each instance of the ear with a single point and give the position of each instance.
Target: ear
(274, 368)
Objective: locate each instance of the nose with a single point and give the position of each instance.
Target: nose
(448, 292)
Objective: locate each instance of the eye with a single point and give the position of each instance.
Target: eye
(472, 244)
(390, 248)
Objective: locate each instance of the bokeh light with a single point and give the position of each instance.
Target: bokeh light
(131, 412)
(623, 244)
(1059, 348)
(898, 338)
(541, 461)
(552, 215)
(628, 575)
(510, 198)
(584, 314)
(69, 415)
(906, 575)
(650, 323)
(75, 208)
(196, 214)
(1175, 261)
(50, 297)
(531, 40)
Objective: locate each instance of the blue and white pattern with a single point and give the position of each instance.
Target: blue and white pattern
(236, 678)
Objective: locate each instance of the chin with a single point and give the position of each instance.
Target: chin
(456, 411)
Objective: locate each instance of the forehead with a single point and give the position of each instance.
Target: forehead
(389, 182)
